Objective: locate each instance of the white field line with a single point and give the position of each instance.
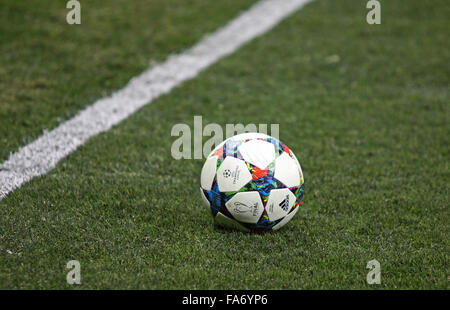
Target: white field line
(42, 155)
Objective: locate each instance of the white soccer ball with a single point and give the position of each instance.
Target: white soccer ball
(252, 182)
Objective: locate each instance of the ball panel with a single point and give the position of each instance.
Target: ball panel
(285, 220)
(232, 175)
(280, 203)
(286, 170)
(246, 207)
(299, 166)
(208, 173)
(258, 153)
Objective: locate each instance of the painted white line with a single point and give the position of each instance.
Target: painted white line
(42, 155)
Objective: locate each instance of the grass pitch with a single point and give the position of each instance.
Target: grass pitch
(364, 108)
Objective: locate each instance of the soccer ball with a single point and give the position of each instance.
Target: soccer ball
(252, 182)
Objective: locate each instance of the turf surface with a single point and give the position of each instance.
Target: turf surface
(49, 70)
(364, 108)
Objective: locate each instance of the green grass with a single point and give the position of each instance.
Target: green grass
(49, 70)
(370, 127)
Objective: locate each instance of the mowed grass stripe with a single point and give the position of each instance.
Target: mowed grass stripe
(42, 155)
